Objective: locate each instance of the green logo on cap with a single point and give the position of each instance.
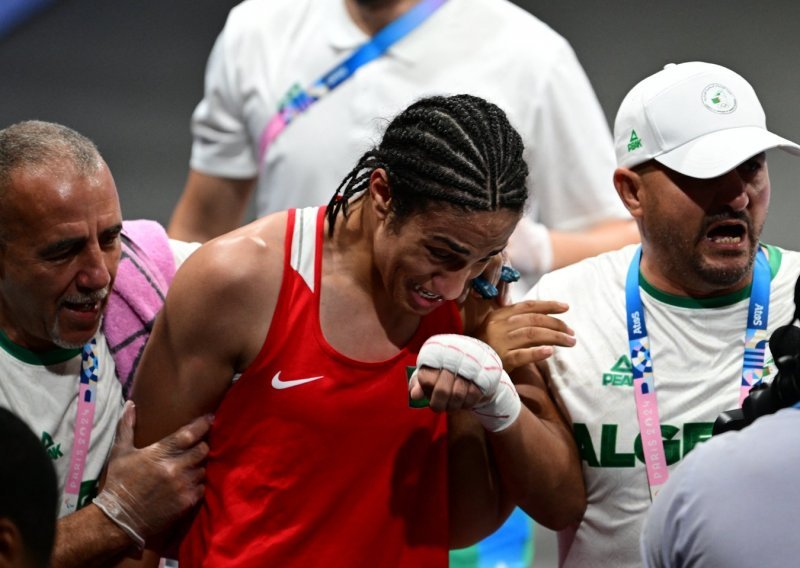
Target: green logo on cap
(719, 98)
(634, 142)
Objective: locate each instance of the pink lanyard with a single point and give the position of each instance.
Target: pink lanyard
(84, 421)
(644, 389)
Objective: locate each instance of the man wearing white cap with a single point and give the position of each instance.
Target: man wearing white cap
(671, 333)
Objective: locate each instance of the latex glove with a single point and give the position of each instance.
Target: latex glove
(530, 249)
(460, 372)
(146, 490)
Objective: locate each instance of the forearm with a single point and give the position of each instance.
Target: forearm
(476, 506)
(531, 458)
(571, 246)
(531, 464)
(89, 538)
(209, 207)
(540, 470)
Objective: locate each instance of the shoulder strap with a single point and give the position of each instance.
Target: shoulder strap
(302, 244)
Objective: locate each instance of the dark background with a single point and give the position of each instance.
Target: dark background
(128, 74)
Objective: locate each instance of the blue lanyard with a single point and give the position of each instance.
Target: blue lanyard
(379, 43)
(642, 361)
(298, 100)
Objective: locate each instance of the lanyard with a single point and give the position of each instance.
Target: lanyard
(642, 362)
(298, 100)
(84, 419)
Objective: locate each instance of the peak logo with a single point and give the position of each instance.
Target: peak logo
(620, 374)
(635, 142)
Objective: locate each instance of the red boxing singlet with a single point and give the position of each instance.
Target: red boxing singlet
(317, 459)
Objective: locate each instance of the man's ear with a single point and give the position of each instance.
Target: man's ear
(12, 549)
(628, 183)
(380, 193)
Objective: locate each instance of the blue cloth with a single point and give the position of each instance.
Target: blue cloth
(511, 546)
(15, 12)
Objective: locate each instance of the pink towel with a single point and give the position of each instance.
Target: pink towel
(145, 272)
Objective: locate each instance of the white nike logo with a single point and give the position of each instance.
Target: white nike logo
(279, 384)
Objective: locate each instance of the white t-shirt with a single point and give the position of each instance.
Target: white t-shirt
(733, 503)
(42, 389)
(697, 348)
(488, 48)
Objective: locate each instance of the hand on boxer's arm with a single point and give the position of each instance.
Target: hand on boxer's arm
(143, 492)
(525, 332)
(146, 490)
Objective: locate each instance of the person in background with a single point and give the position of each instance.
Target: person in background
(291, 100)
(298, 331)
(28, 498)
(671, 333)
(732, 502)
(61, 243)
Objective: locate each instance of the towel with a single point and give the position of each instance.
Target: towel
(145, 272)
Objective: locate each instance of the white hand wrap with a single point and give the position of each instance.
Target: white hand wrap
(502, 409)
(474, 361)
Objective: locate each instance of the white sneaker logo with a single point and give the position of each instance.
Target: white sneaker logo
(279, 384)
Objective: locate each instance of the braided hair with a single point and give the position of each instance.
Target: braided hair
(459, 150)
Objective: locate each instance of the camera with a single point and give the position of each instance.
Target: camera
(783, 391)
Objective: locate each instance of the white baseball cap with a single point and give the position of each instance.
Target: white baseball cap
(699, 119)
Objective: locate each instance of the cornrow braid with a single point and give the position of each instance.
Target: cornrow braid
(459, 150)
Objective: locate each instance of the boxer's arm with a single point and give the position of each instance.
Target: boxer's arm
(532, 464)
(513, 446)
(213, 323)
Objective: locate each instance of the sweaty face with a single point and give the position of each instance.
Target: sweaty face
(59, 257)
(701, 236)
(432, 256)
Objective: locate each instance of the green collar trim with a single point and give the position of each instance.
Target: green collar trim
(773, 254)
(51, 357)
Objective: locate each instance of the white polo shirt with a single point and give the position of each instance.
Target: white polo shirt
(488, 48)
